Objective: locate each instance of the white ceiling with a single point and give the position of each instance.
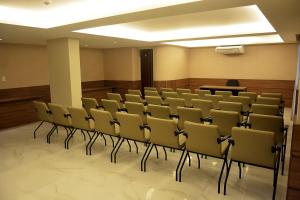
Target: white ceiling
(282, 15)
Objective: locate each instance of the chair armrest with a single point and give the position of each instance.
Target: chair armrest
(145, 126)
(97, 107)
(222, 139)
(206, 119)
(49, 112)
(178, 132)
(173, 116)
(275, 148)
(231, 141)
(88, 118)
(243, 123)
(114, 122)
(122, 109)
(146, 113)
(67, 115)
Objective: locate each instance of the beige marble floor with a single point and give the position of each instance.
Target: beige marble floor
(32, 169)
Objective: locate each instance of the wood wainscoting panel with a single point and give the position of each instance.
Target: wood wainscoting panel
(180, 83)
(123, 86)
(286, 87)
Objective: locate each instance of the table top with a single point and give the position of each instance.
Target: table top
(241, 88)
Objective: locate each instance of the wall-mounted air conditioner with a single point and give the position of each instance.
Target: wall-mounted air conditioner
(230, 50)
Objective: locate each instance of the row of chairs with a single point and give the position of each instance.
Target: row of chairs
(199, 138)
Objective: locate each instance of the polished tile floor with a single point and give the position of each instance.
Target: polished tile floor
(32, 169)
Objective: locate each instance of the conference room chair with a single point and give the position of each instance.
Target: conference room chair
(151, 93)
(174, 103)
(154, 100)
(159, 111)
(224, 94)
(89, 103)
(246, 101)
(251, 95)
(232, 82)
(61, 117)
(188, 114)
(117, 97)
(225, 120)
(111, 106)
(188, 98)
(272, 95)
(166, 90)
(233, 106)
(135, 92)
(205, 106)
(131, 128)
(43, 114)
(214, 98)
(80, 121)
(150, 88)
(134, 98)
(137, 108)
(163, 133)
(180, 91)
(169, 94)
(265, 109)
(104, 124)
(206, 140)
(201, 93)
(268, 100)
(274, 124)
(257, 148)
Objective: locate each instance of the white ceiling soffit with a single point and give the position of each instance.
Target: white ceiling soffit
(36, 14)
(261, 39)
(224, 22)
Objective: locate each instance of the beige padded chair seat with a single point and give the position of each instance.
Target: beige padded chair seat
(80, 119)
(102, 122)
(134, 98)
(268, 100)
(225, 120)
(251, 95)
(201, 93)
(225, 94)
(151, 93)
(174, 103)
(188, 98)
(272, 95)
(89, 103)
(136, 108)
(188, 114)
(155, 100)
(246, 101)
(111, 106)
(214, 98)
(204, 105)
(265, 109)
(134, 92)
(170, 94)
(159, 111)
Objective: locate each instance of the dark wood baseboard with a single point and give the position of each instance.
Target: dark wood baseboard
(120, 86)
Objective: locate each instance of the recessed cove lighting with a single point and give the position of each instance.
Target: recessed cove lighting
(263, 39)
(225, 22)
(68, 12)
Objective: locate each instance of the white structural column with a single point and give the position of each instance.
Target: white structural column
(64, 71)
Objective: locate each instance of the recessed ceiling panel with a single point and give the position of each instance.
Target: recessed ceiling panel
(37, 14)
(225, 22)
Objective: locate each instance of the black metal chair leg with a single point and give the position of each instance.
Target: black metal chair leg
(166, 158)
(147, 156)
(94, 140)
(179, 163)
(129, 145)
(89, 134)
(111, 154)
(156, 151)
(198, 161)
(69, 138)
(189, 159)
(226, 178)
(276, 177)
(104, 139)
(82, 132)
(50, 133)
(240, 170)
(136, 146)
(88, 144)
(221, 174)
(37, 129)
(115, 155)
(142, 161)
(181, 167)
(112, 140)
(283, 159)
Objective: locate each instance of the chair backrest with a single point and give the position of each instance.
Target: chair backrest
(188, 114)
(153, 100)
(188, 98)
(150, 88)
(80, 119)
(253, 146)
(163, 132)
(114, 96)
(133, 98)
(158, 111)
(136, 108)
(111, 106)
(202, 138)
(204, 105)
(232, 82)
(246, 101)
(232, 106)
(265, 109)
(183, 90)
(151, 93)
(130, 126)
(201, 93)
(60, 114)
(42, 111)
(214, 98)
(166, 90)
(225, 94)
(89, 103)
(268, 123)
(273, 95)
(103, 122)
(174, 103)
(135, 92)
(170, 94)
(225, 120)
(251, 95)
(268, 100)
